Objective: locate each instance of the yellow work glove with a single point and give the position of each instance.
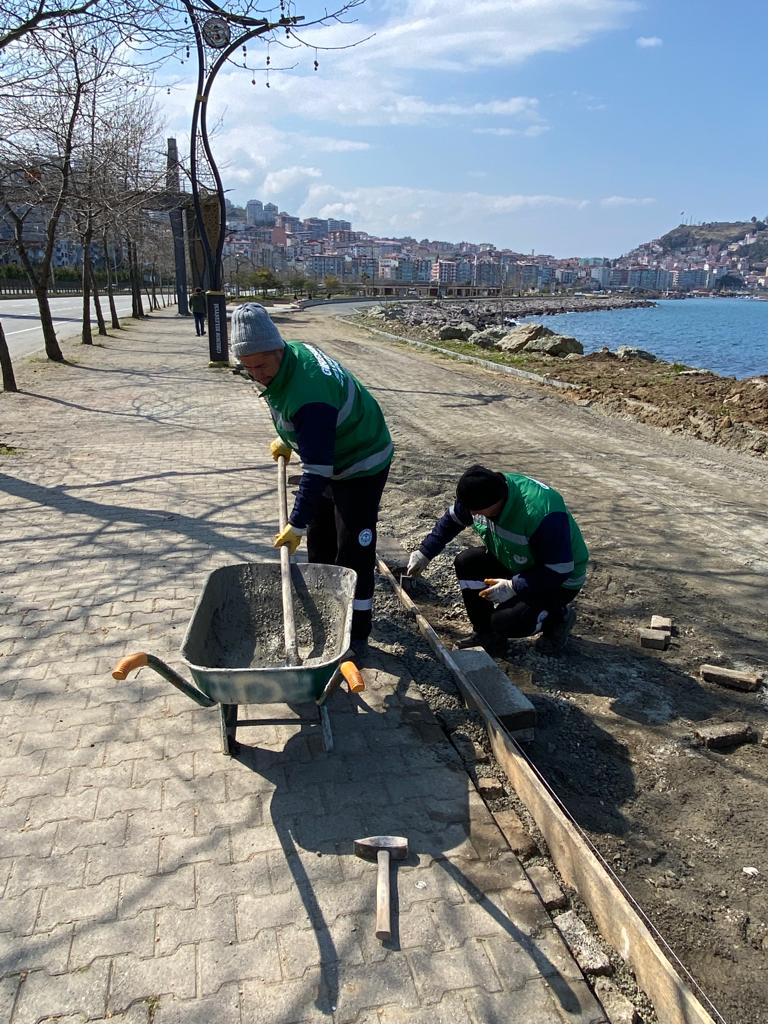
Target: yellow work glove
(278, 447)
(290, 536)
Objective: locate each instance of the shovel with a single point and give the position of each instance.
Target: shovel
(289, 623)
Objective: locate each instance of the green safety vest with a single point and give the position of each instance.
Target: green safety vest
(528, 502)
(307, 375)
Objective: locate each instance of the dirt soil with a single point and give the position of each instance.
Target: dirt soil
(721, 410)
(675, 527)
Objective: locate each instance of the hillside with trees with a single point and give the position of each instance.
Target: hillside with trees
(722, 233)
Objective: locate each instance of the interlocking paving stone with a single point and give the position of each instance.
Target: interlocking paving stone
(176, 927)
(221, 1008)
(79, 992)
(142, 892)
(133, 935)
(134, 978)
(226, 960)
(18, 915)
(109, 861)
(60, 905)
(44, 949)
(437, 973)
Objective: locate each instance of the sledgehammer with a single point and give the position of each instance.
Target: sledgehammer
(382, 848)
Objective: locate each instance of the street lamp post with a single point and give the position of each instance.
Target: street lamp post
(218, 33)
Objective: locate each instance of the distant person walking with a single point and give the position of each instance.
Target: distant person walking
(197, 304)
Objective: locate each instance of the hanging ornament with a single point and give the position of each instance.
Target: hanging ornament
(316, 64)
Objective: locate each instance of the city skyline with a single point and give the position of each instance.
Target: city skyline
(564, 126)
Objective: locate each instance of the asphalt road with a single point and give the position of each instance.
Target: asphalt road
(21, 321)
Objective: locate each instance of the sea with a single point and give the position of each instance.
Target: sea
(728, 336)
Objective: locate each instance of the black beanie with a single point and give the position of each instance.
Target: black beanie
(480, 488)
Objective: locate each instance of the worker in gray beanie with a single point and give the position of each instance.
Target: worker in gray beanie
(322, 412)
(532, 564)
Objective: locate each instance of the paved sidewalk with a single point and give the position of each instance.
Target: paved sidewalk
(145, 877)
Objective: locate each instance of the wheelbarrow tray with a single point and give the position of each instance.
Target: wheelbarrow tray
(234, 645)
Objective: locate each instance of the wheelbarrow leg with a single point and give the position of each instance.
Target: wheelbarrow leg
(228, 724)
(325, 725)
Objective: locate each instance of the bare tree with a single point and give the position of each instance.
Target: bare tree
(38, 129)
(65, 162)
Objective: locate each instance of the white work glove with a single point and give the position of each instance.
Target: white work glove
(498, 591)
(417, 563)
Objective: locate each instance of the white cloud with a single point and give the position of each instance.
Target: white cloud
(439, 35)
(627, 201)
(648, 42)
(276, 183)
(398, 208)
(326, 144)
(531, 132)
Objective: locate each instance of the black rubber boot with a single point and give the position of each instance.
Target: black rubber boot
(494, 645)
(554, 635)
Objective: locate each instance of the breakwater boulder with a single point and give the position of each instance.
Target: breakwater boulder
(539, 339)
(457, 332)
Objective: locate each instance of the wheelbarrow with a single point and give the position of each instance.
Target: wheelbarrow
(238, 652)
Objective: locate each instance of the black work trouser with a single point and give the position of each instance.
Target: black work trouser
(522, 616)
(343, 532)
(199, 323)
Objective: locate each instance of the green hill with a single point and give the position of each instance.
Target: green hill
(687, 236)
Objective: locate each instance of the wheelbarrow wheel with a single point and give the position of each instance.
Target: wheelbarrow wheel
(228, 725)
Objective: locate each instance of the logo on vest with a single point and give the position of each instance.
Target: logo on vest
(521, 559)
(365, 537)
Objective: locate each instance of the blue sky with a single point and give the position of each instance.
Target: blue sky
(570, 127)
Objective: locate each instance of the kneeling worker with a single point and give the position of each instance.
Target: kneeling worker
(326, 415)
(532, 566)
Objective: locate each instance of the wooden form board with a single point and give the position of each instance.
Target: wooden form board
(618, 921)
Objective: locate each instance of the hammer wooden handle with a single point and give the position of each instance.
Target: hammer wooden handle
(383, 920)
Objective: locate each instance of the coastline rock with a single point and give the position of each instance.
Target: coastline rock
(489, 337)
(457, 332)
(556, 345)
(627, 352)
(517, 339)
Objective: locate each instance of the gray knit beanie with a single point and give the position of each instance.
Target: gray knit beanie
(252, 331)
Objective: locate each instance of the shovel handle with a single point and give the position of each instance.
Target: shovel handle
(383, 921)
(289, 622)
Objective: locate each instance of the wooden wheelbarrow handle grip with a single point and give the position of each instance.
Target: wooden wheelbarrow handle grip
(128, 664)
(353, 676)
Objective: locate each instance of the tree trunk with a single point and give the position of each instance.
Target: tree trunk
(52, 348)
(154, 304)
(110, 288)
(6, 366)
(87, 335)
(97, 303)
(137, 307)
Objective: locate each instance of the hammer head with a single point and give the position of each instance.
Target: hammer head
(369, 848)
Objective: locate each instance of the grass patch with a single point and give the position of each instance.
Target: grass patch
(8, 451)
